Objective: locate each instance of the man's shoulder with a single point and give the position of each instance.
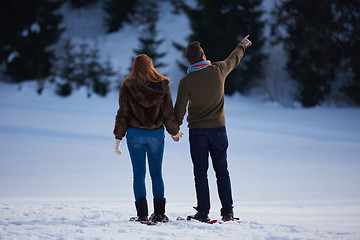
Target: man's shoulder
(213, 70)
(185, 79)
(217, 64)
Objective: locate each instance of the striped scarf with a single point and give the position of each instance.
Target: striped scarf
(198, 66)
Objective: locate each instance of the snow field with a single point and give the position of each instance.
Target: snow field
(108, 219)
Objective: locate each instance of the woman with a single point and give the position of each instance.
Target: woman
(145, 106)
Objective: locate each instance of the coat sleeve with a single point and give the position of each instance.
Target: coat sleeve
(182, 99)
(233, 59)
(123, 114)
(171, 124)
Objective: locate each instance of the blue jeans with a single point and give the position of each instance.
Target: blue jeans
(214, 141)
(139, 147)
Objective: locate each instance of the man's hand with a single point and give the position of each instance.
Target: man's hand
(247, 42)
(177, 137)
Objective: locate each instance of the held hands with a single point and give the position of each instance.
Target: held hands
(117, 147)
(177, 137)
(246, 41)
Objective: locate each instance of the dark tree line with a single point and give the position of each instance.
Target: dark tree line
(33, 26)
(119, 12)
(219, 26)
(29, 28)
(321, 39)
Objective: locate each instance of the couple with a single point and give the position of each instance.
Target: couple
(145, 106)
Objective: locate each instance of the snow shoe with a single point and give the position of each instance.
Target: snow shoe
(159, 211)
(200, 216)
(158, 218)
(142, 210)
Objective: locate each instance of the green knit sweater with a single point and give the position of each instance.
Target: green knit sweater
(204, 91)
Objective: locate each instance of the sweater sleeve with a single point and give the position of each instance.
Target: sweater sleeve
(233, 59)
(123, 114)
(182, 99)
(171, 124)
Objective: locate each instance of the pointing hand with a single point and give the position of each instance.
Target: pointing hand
(247, 42)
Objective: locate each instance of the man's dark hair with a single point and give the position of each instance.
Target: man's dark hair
(194, 52)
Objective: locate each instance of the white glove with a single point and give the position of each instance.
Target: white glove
(117, 147)
(177, 137)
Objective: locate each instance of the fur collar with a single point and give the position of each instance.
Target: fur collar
(144, 95)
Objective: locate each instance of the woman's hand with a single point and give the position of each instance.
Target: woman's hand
(177, 137)
(117, 147)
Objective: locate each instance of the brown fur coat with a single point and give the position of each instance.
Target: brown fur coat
(146, 108)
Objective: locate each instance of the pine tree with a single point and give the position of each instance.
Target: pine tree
(65, 68)
(148, 41)
(96, 79)
(313, 46)
(81, 67)
(219, 26)
(30, 27)
(68, 62)
(81, 3)
(349, 21)
(118, 12)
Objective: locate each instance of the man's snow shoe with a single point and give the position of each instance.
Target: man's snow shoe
(200, 216)
(227, 216)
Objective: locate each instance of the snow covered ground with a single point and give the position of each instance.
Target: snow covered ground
(90, 219)
(294, 171)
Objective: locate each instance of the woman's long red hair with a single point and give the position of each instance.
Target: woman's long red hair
(143, 70)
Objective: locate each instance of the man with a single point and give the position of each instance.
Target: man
(203, 89)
